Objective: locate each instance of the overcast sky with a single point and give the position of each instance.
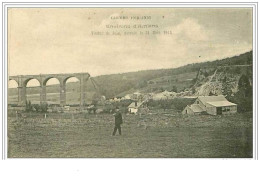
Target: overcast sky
(49, 40)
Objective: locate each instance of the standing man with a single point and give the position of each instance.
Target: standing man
(118, 121)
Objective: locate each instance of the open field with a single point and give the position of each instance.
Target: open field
(161, 134)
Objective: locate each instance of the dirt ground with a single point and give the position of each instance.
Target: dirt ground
(160, 134)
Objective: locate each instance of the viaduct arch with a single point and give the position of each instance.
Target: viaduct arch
(22, 81)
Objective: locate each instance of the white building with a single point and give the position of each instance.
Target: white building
(134, 107)
(214, 105)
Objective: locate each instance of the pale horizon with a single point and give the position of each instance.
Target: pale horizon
(61, 40)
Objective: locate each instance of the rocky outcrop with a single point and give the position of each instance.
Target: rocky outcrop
(222, 81)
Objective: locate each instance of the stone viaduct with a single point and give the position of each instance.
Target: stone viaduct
(22, 81)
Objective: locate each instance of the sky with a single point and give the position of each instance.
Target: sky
(51, 40)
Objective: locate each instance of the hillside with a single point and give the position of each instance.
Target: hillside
(164, 79)
(198, 78)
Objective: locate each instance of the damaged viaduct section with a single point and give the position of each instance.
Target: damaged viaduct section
(22, 81)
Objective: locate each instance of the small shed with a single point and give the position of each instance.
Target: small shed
(214, 105)
(134, 107)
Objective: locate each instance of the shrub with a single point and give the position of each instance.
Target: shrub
(244, 104)
(176, 103)
(44, 107)
(28, 106)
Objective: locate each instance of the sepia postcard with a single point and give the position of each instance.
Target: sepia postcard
(130, 82)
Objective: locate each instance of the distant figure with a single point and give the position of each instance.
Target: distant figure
(19, 115)
(118, 121)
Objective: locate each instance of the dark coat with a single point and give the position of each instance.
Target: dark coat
(118, 118)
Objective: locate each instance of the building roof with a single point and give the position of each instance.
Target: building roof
(132, 105)
(196, 108)
(206, 99)
(221, 103)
